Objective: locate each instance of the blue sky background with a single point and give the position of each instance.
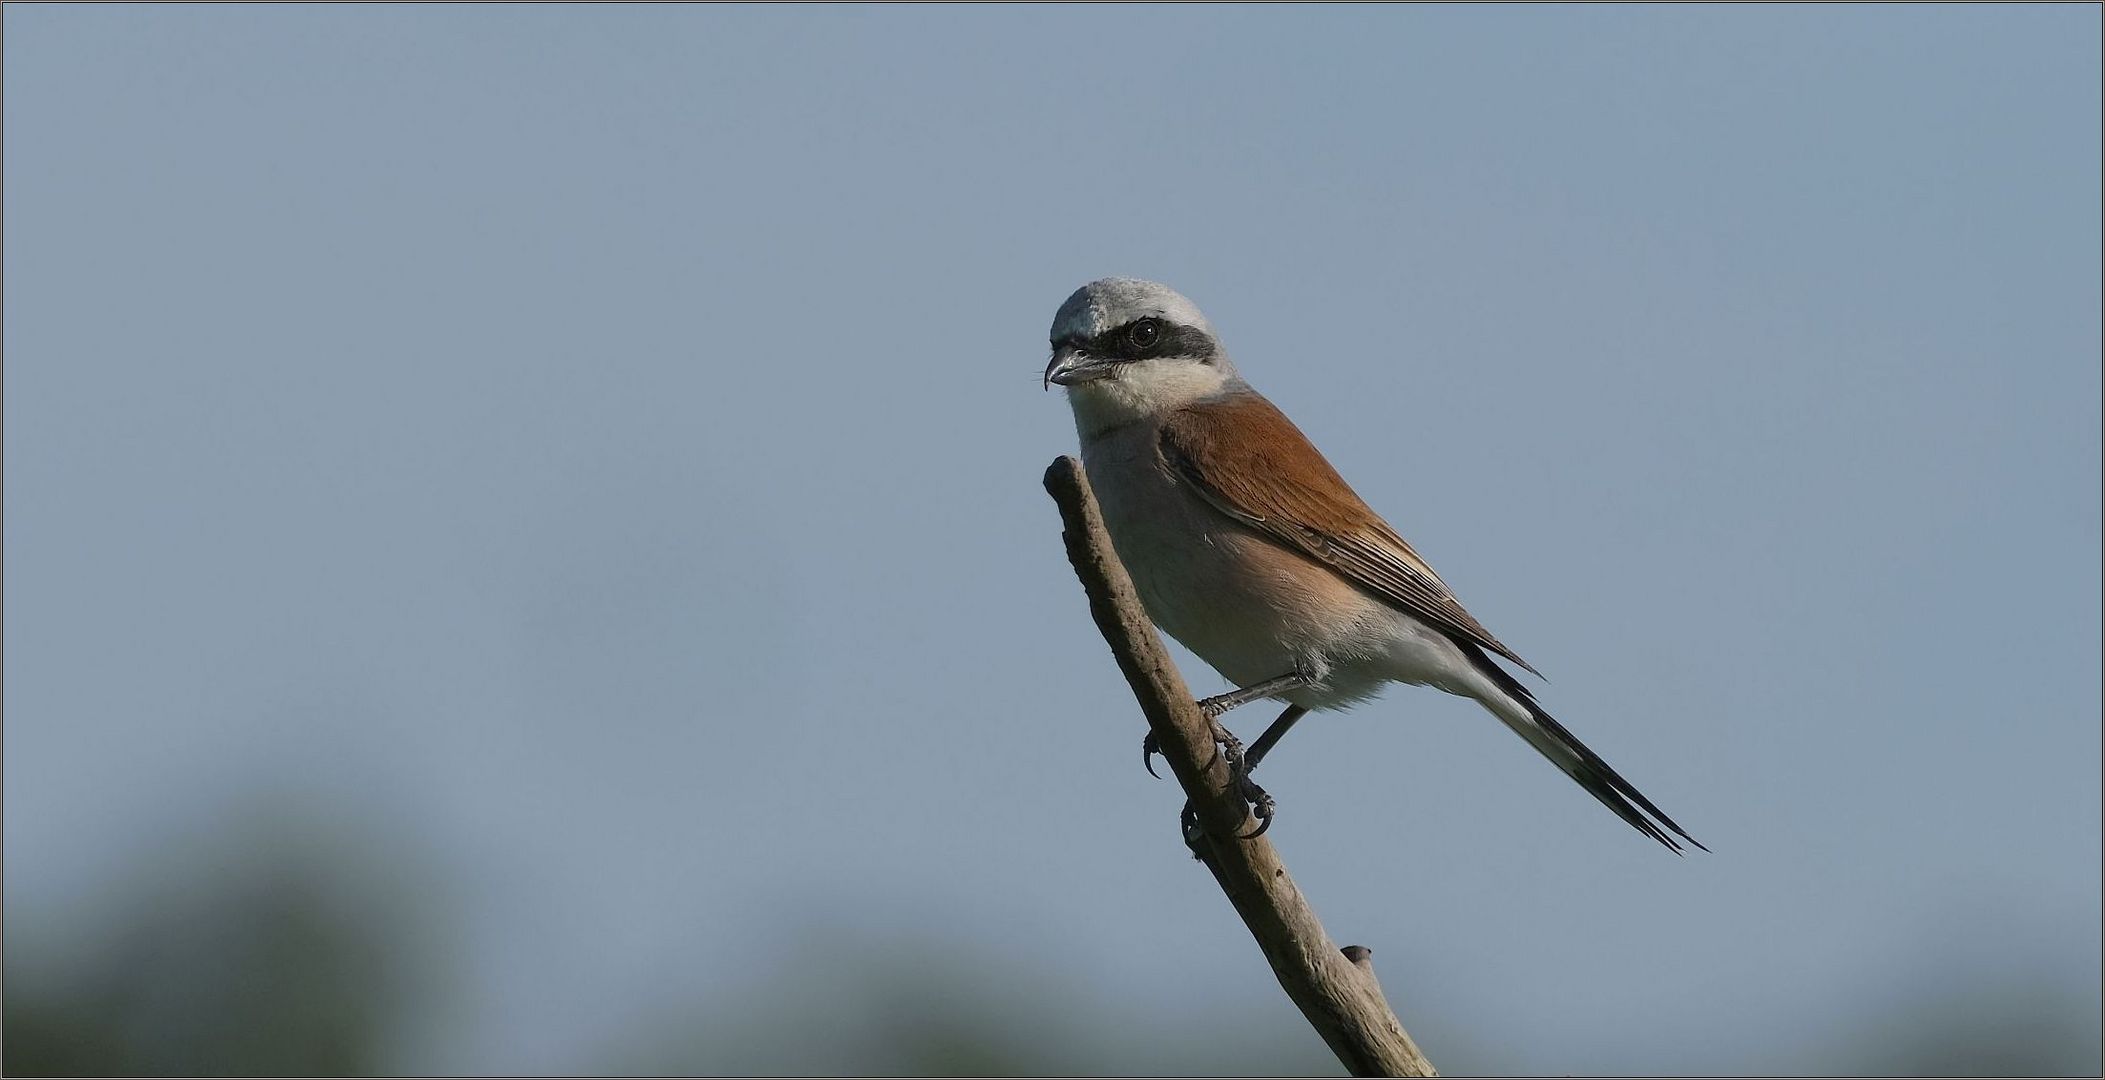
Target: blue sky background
(573, 475)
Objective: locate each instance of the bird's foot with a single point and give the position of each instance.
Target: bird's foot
(1230, 746)
(1261, 806)
(1260, 802)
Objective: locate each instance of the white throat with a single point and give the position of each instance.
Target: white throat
(1144, 390)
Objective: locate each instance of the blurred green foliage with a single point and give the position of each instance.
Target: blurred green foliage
(261, 951)
(282, 948)
(268, 982)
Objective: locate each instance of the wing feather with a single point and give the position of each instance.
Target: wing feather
(1246, 458)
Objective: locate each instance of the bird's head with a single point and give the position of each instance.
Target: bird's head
(1127, 349)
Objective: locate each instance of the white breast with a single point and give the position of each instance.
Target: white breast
(1245, 605)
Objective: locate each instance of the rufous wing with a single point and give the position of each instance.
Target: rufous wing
(1246, 458)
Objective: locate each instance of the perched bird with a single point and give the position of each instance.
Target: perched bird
(1245, 545)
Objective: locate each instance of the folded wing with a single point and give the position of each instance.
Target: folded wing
(1239, 452)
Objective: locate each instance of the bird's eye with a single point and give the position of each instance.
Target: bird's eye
(1144, 333)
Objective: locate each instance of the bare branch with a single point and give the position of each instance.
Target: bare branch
(1336, 991)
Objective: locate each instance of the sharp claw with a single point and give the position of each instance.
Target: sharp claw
(1261, 806)
(1231, 749)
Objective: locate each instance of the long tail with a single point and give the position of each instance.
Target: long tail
(1546, 735)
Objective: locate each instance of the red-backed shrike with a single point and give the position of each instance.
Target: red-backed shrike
(1248, 547)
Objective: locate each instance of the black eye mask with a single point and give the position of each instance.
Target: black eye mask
(1119, 344)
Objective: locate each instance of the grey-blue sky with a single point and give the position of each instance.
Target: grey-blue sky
(602, 445)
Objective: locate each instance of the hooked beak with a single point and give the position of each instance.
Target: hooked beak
(1071, 365)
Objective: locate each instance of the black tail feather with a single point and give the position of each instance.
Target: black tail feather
(1592, 773)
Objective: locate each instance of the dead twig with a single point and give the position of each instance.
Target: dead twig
(1334, 988)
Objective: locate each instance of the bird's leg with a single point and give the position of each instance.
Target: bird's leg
(1240, 761)
(1239, 764)
(1260, 801)
(1214, 706)
(1218, 704)
(1272, 735)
